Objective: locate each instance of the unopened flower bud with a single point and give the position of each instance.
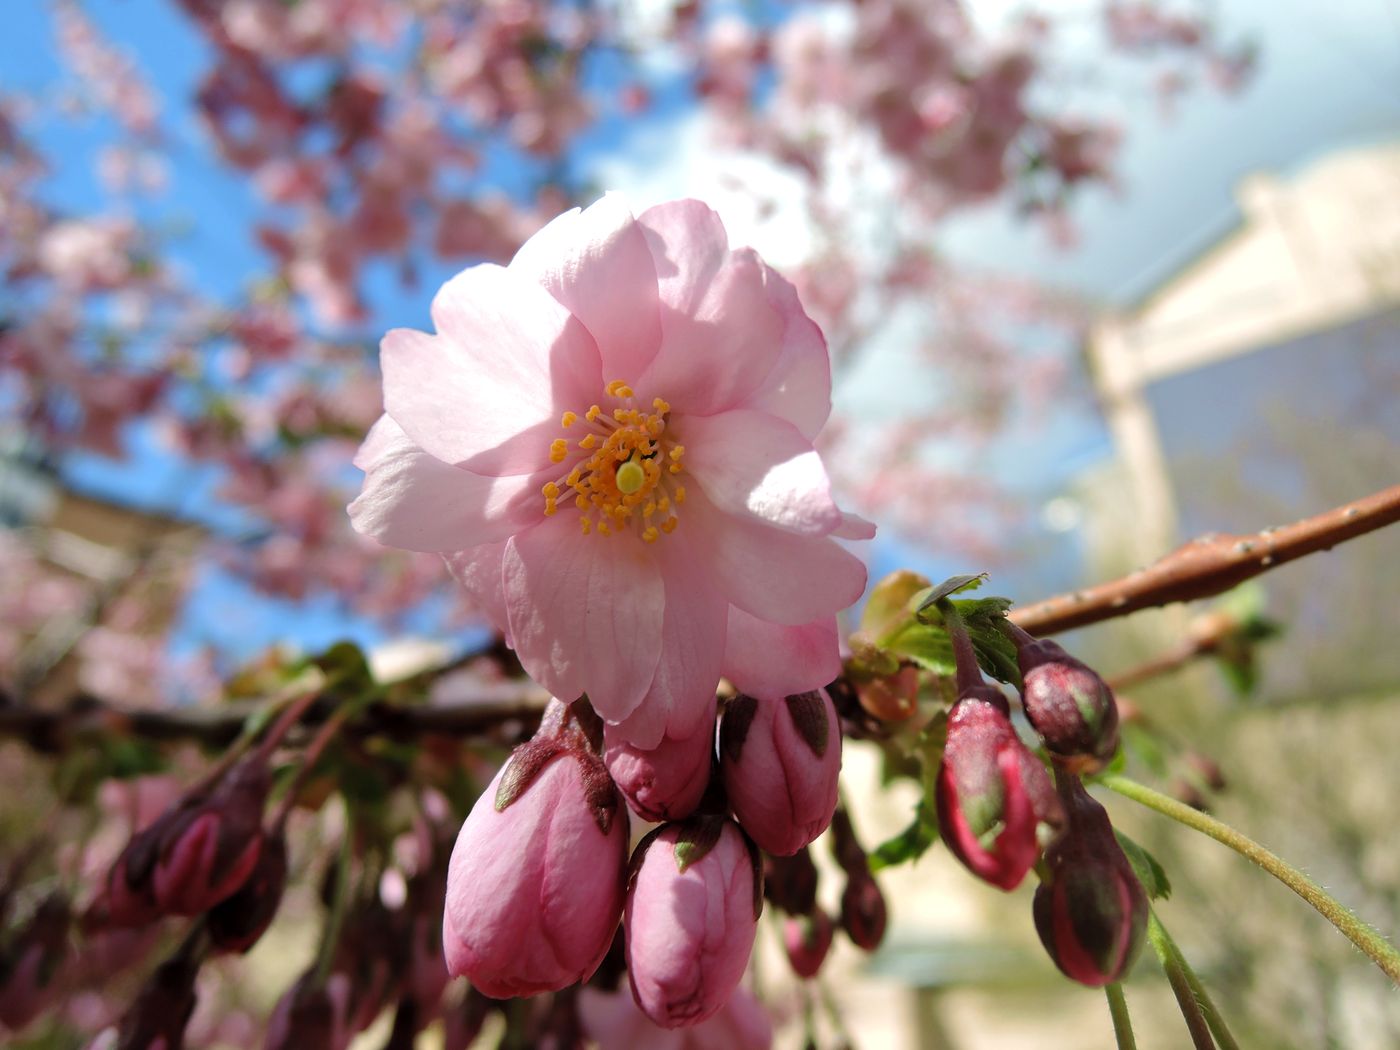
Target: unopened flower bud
(666, 782)
(236, 923)
(780, 760)
(29, 965)
(692, 913)
(208, 851)
(791, 882)
(310, 1014)
(536, 881)
(807, 939)
(863, 911)
(1091, 910)
(162, 1011)
(129, 897)
(1068, 703)
(996, 805)
(614, 1022)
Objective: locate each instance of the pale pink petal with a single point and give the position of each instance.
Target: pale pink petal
(688, 246)
(775, 575)
(770, 659)
(415, 502)
(682, 693)
(585, 612)
(854, 527)
(798, 388)
(596, 262)
(720, 335)
(487, 392)
(751, 463)
(479, 570)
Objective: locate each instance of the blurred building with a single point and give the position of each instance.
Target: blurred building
(1256, 385)
(113, 552)
(1309, 281)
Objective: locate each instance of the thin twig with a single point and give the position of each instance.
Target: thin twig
(1162, 941)
(1122, 1021)
(1185, 997)
(1210, 565)
(1380, 951)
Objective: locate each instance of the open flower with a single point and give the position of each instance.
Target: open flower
(610, 440)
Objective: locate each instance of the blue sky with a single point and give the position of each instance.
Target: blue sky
(1328, 77)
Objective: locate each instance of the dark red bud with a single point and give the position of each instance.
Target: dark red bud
(791, 882)
(310, 1014)
(236, 923)
(807, 939)
(863, 913)
(1091, 911)
(205, 848)
(30, 963)
(996, 804)
(1070, 706)
(161, 1012)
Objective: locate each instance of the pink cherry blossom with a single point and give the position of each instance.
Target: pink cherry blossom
(610, 440)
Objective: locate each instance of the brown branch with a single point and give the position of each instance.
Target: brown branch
(1210, 565)
(56, 731)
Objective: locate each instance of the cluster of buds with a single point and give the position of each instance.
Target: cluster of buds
(540, 875)
(1002, 816)
(199, 854)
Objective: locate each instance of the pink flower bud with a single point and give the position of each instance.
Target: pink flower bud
(807, 939)
(780, 760)
(614, 1022)
(1091, 910)
(1069, 705)
(236, 923)
(692, 913)
(996, 804)
(208, 851)
(535, 885)
(667, 782)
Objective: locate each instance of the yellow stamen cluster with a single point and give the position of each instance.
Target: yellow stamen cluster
(628, 475)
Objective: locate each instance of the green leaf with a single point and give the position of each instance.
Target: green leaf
(949, 587)
(1146, 867)
(346, 665)
(911, 843)
(927, 645)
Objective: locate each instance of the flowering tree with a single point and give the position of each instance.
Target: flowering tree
(616, 448)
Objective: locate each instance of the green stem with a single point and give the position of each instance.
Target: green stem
(1122, 1023)
(1181, 987)
(340, 901)
(1380, 951)
(1162, 940)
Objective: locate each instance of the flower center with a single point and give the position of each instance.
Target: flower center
(625, 467)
